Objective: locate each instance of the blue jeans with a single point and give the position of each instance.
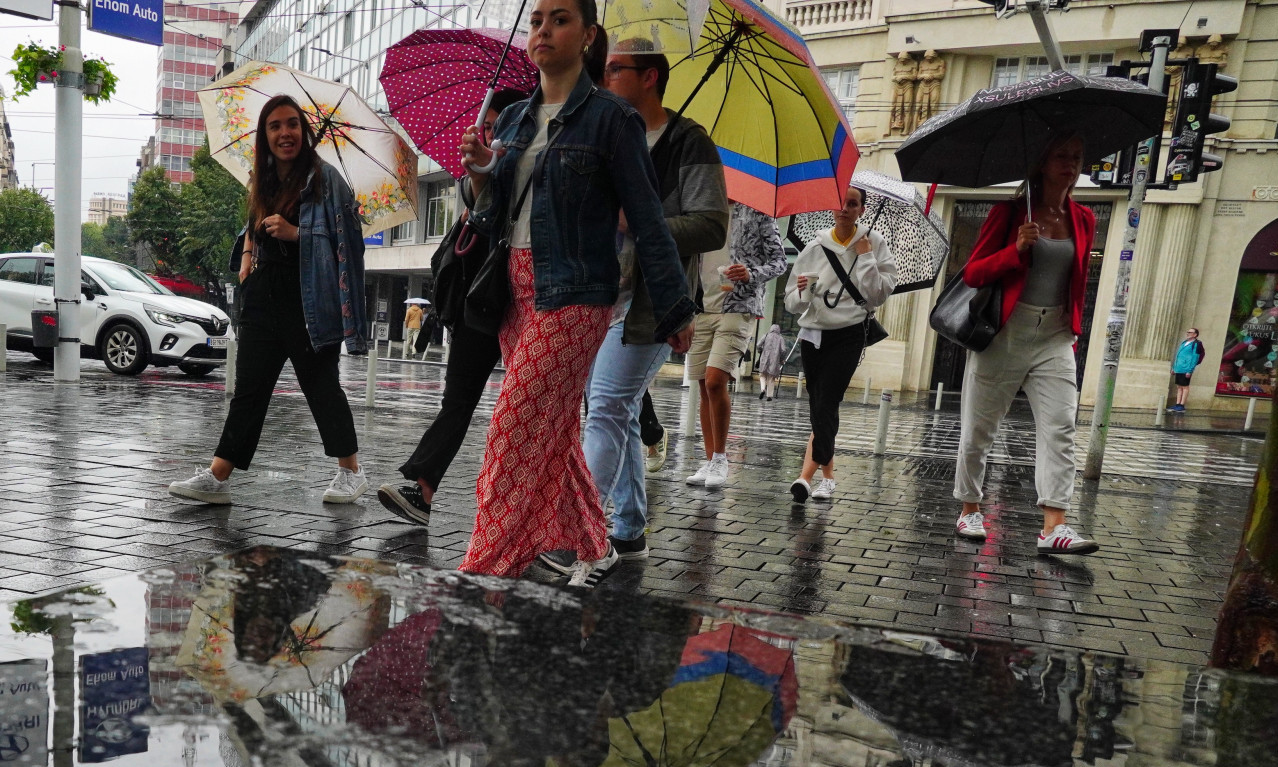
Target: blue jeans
(614, 452)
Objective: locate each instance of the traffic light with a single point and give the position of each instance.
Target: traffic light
(1002, 8)
(1199, 84)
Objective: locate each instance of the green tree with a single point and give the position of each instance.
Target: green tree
(110, 241)
(26, 219)
(153, 217)
(214, 206)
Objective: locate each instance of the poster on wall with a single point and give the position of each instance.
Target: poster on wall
(1249, 357)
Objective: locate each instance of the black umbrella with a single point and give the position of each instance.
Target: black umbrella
(993, 137)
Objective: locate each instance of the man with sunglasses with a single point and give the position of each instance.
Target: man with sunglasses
(695, 203)
(1189, 355)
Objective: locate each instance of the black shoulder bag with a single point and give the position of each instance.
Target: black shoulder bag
(968, 316)
(489, 293)
(874, 330)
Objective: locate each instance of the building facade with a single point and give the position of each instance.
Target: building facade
(104, 206)
(8, 173)
(894, 63)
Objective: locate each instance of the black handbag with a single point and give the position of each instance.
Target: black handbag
(968, 316)
(448, 265)
(489, 294)
(874, 330)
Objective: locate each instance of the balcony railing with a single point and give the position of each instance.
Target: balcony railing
(828, 15)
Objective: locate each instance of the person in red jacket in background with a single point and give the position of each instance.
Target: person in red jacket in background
(1041, 265)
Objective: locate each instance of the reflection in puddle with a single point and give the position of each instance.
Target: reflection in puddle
(271, 657)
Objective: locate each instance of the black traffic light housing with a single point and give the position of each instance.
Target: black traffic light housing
(1199, 84)
(1002, 7)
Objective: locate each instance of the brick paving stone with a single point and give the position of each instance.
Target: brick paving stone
(82, 498)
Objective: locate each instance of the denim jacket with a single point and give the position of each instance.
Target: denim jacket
(330, 242)
(598, 164)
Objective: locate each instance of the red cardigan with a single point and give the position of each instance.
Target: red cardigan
(995, 257)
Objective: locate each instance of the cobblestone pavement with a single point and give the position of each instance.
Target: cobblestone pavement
(85, 467)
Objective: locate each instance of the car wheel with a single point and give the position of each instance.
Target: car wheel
(123, 349)
(194, 370)
(43, 354)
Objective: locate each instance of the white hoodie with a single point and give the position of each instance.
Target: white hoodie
(873, 273)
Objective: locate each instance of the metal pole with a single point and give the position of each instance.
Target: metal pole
(1251, 413)
(4, 351)
(232, 349)
(68, 157)
(370, 382)
(1117, 322)
(865, 398)
(798, 385)
(885, 413)
(940, 391)
(1160, 411)
(692, 414)
(1038, 12)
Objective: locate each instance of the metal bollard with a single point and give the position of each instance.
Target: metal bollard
(798, 385)
(692, 414)
(1160, 411)
(1251, 413)
(370, 383)
(940, 391)
(885, 411)
(865, 398)
(4, 352)
(232, 349)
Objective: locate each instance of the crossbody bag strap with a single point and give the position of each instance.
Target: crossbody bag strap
(536, 171)
(844, 278)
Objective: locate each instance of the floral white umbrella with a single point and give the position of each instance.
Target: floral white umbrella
(380, 166)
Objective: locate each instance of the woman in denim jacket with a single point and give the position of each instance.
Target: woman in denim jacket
(302, 272)
(535, 493)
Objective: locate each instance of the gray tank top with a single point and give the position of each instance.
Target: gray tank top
(1052, 262)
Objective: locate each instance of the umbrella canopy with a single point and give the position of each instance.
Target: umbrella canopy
(751, 82)
(417, 301)
(380, 167)
(435, 81)
(994, 136)
(672, 26)
(894, 209)
(731, 698)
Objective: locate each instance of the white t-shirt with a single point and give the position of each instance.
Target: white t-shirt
(521, 234)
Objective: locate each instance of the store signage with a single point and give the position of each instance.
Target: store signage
(30, 9)
(24, 713)
(140, 20)
(115, 692)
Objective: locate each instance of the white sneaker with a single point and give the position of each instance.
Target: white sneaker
(800, 490)
(656, 457)
(824, 490)
(1064, 540)
(717, 473)
(700, 477)
(971, 526)
(203, 487)
(588, 574)
(346, 486)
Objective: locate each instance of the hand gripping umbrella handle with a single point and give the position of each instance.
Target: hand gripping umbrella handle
(479, 123)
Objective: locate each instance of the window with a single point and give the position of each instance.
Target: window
(301, 58)
(1035, 66)
(348, 29)
(1074, 64)
(1097, 63)
(1013, 70)
(1006, 72)
(404, 233)
(46, 273)
(844, 84)
(439, 208)
(19, 270)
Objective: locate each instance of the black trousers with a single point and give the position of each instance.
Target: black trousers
(650, 429)
(470, 363)
(273, 330)
(827, 372)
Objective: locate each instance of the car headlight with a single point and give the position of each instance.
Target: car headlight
(162, 317)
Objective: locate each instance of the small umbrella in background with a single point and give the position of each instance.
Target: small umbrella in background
(733, 695)
(894, 209)
(380, 167)
(422, 301)
(436, 79)
(993, 137)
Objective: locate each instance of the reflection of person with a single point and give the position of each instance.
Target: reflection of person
(1189, 355)
(833, 327)
(274, 588)
(412, 326)
(732, 282)
(293, 191)
(771, 357)
(535, 493)
(1042, 269)
(468, 368)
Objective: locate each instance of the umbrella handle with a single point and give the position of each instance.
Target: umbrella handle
(479, 123)
(465, 240)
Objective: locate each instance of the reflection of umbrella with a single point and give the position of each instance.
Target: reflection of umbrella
(417, 301)
(267, 622)
(993, 136)
(672, 26)
(379, 165)
(436, 79)
(731, 698)
(894, 209)
(786, 145)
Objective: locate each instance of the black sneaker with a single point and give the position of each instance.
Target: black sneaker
(560, 561)
(800, 489)
(636, 549)
(405, 502)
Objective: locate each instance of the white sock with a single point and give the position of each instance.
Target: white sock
(720, 457)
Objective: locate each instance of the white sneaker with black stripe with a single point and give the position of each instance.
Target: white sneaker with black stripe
(1064, 540)
(588, 574)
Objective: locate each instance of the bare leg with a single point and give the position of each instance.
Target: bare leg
(349, 462)
(707, 432)
(1052, 517)
(810, 466)
(719, 404)
(221, 468)
(428, 492)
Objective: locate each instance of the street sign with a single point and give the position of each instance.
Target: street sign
(140, 20)
(382, 332)
(31, 9)
(376, 239)
(116, 690)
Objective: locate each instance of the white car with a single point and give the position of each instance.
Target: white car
(126, 319)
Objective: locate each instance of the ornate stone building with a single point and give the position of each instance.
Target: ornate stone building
(896, 62)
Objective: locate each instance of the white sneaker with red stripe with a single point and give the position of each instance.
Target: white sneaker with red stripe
(971, 526)
(1064, 540)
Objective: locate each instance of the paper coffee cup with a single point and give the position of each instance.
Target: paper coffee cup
(812, 280)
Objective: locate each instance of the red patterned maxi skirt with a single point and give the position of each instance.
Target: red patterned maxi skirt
(535, 493)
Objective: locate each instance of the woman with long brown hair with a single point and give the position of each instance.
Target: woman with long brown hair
(301, 270)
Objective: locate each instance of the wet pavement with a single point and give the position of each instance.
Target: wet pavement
(85, 468)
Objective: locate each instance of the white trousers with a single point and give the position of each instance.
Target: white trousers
(1033, 351)
(410, 340)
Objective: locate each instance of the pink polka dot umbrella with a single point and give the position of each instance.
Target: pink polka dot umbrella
(435, 81)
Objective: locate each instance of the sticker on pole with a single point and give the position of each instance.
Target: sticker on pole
(140, 20)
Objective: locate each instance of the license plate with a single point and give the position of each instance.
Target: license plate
(218, 343)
